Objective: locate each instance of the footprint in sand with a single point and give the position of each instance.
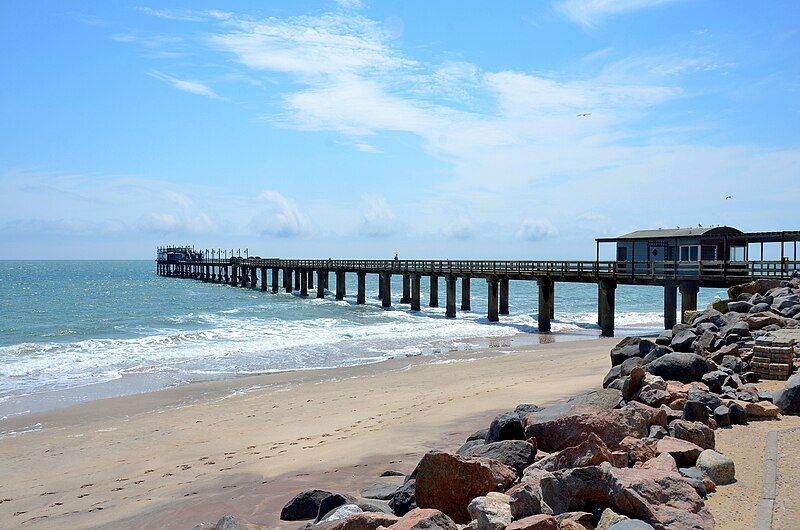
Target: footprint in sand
(82, 495)
(138, 481)
(47, 493)
(117, 489)
(149, 471)
(5, 500)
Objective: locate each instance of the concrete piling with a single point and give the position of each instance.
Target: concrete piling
(361, 296)
(670, 304)
(434, 294)
(492, 310)
(386, 289)
(546, 302)
(303, 284)
(320, 285)
(415, 305)
(503, 307)
(605, 306)
(450, 308)
(341, 289)
(689, 292)
(465, 296)
(406, 298)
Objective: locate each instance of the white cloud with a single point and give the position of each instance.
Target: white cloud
(589, 12)
(366, 148)
(350, 4)
(536, 230)
(195, 87)
(279, 216)
(379, 219)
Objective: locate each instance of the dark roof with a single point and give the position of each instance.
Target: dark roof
(664, 233)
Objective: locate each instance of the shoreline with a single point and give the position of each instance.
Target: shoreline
(217, 437)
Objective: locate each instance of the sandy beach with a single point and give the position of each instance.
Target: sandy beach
(185, 456)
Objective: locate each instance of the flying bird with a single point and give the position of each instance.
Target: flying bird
(584, 114)
(729, 197)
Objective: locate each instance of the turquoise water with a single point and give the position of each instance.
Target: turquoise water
(67, 325)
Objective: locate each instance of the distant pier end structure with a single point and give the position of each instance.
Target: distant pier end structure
(682, 259)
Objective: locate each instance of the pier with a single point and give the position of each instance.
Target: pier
(291, 275)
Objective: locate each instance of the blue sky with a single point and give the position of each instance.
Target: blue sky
(361, 129)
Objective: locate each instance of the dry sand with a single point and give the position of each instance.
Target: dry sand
(184, 456)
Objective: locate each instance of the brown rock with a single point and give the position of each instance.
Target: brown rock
(424, 519)
(664, 462)
(589, 452)
(360, 521)
(639, 449)
(654, 397)
(685, 453)
(693, 431)
(448, 482)
(762, 409)
(535, 522)
(677, 404)
(567, 430)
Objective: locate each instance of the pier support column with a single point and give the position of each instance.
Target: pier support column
(689, 292)
(503, 310)
(244, 276)
(491, 313)
(275, 280)
(466, 305)
(325, 279)
(233, 278)
(297, 279)
(341, 288)
(361, 296)
(434, 294)
(546, 292)
(227, 278)
(605, 306)
(386, 289)
(415, 292)
(320, 285)
(450, 308)
(670, 304)
(287, 280)
(310, 274)
(406, 298)
(303, 284)
(254, 277)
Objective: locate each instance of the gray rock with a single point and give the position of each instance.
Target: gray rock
(759, 308)
(631, 524)
(739, 307)
(382, 492)
(714, 380)
(342, 512)
(664, 338)
(706, 398)
(518, 454)
(683, 341)
(526, 408)
(478, 435)
(657, 432)
(469, 445)
(304, 505)
(718, 467)
(693, 431)
(505, 426)
(683, 367)
(404, 499)
(392, 473)
(733, 363)
(787, 399)
(695, 411)
(722, 415)
(627, 348)
(229, 522)
(737, 414)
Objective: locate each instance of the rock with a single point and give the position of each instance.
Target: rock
(718, 467)
(664, 500)
(608, 518)
(683, 341)
(732, 363)
(639, 449)
(359, 521)
(695, 411)
(526, 408)
(505, 426)
(469, 444)
(304, 505)
(787, 399)
(657, 432)
(755, 287)
(382, 492)
(567, 430)
(491, 512)
(342, 512)
(631, 524)
(664, 462)
(582, 520)
(740, 307)
(737, 413)
(479, 435)
(229, 522)
(448, 482)
(685, 453)
(664, 338)
(424, 519)
(683, 367)
(331, 503)
(392, 473)
(722, 415)
(627, 348)
(694, 431)
(762, 409)
(706, 398)
(739, 328)
(518, 454)
(526, 497)
(704, 343)
(589, 452)
(619, 459)
(729, 349)
(404, 499)
(535, 522)
(760, 307)
(633, 383)
(719, 305)
(714, 380)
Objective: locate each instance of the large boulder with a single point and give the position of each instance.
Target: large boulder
(718, 467)
(518, 454)
(448, 482)
(639, 449)
(684, 452)
(590, 452)
(491, 512)
(787, 399)
(505, 426)
(683, 340)
(424, 519)
(683, 367)
(663, 499)
(304, 505)
(383, 492)
(755, 287)
(404, 499)
(535, 522)
(359, 521)
(693, 431)
(568, 429)
(630, 347)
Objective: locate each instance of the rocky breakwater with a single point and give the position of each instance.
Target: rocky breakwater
(638, 453)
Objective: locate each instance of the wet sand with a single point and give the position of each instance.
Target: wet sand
(185, 456)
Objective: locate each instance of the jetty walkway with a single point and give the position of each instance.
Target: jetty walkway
(301, 275)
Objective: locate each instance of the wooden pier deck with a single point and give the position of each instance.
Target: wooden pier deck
(299, 275)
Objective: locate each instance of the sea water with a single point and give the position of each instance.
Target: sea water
(72, 331)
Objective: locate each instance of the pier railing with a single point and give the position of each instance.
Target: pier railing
(621, 271)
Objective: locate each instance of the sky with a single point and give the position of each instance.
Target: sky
(358, 128)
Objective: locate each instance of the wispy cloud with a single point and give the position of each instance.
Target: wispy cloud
(379, 220)
(536, 229)
(194, 87)
(588, 13)
(350, 4)
(280, 216)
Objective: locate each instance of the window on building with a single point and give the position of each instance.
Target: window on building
(736, 254)
(708, 253)
(622, 253)
(690, 252)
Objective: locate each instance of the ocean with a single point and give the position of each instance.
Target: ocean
(75, 331)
